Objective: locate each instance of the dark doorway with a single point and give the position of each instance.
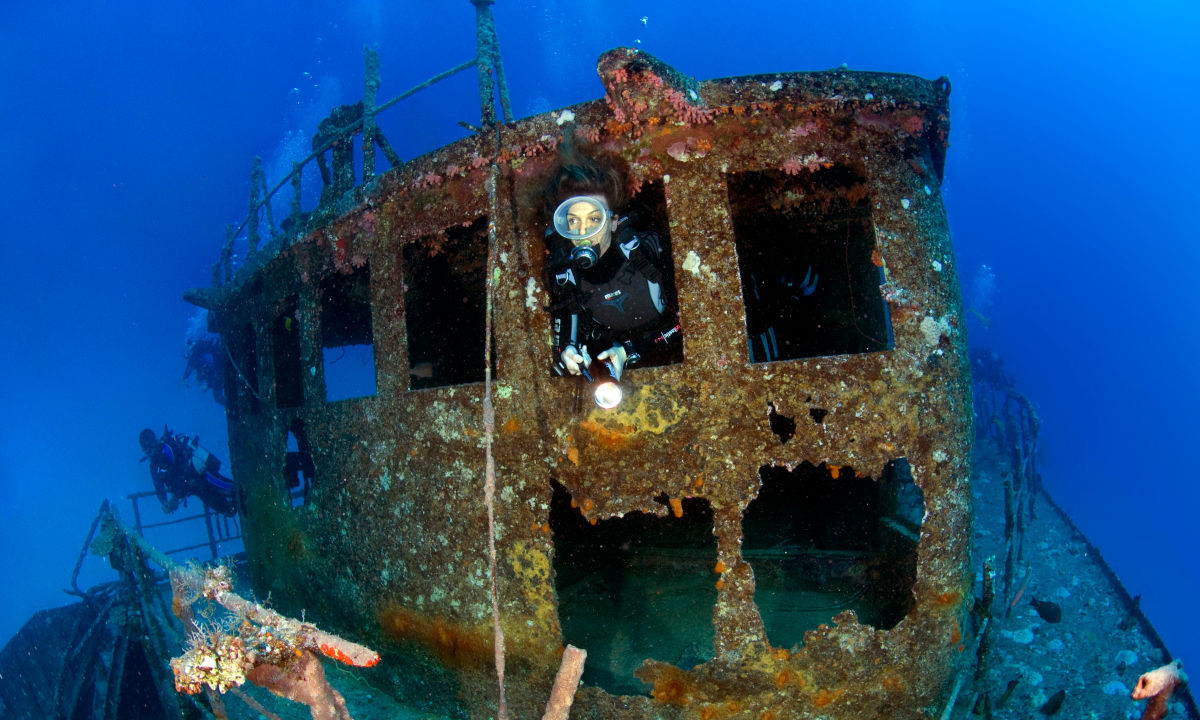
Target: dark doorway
(635, 587)
(822, 540)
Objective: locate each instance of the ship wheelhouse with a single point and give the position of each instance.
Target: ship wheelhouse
(781, 519)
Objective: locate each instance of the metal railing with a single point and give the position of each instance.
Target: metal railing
(361, 119)
(218, 528)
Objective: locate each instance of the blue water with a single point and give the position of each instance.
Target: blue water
(127, 132)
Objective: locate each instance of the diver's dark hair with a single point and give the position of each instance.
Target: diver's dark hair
(147, 438)
(579, 174)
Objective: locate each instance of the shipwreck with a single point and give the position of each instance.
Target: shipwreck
(776, 525)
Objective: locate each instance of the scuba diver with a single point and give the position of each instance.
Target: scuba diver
(204, 355)
(179, 467)
(610, 283)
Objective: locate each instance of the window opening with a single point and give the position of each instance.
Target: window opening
(822, 540)
(631, 301)
(285, 345)
(648, 210)
(298, 466)
(444, 303)
(635, 587)
(804, 246)
(347, 342)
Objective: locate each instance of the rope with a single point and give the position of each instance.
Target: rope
(489, 429)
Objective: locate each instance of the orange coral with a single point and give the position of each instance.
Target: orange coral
(949, 598)
(676, 507)
(672, 686)
(893, 682)
(336, 653)
(454, 645)
(609, 437)
(825, 697)
(785, 677)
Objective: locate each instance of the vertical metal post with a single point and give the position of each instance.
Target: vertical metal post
(223, 272)
(256, 172)
(137, 514)
(485, 42)
(208, 525)
(370, 89)
(295, 211)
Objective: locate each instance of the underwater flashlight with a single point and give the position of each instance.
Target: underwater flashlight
(608, 394)
(603, 377)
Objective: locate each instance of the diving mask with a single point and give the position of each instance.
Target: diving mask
(581, 219)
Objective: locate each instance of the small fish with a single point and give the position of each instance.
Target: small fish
(1054, 704)
(1048, 611)
(423, 370)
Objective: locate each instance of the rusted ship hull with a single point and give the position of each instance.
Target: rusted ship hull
(698, 532)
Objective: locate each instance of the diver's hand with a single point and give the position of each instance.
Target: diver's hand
(617, 356)
(571, 359)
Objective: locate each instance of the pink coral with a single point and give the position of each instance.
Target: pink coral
(913, 124)
(804, 129)
(794, 164)
(589, 133)
(686, 111)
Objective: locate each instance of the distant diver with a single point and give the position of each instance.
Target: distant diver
(203, 352)
(180, 468)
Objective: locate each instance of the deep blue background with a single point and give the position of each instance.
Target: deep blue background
(127, 131)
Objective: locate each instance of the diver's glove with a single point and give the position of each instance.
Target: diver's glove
(618, 356)
(572, 359)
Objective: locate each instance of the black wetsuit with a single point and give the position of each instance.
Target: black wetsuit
(180, 468)
(627, 297)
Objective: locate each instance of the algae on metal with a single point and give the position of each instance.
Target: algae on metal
(390, 543)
